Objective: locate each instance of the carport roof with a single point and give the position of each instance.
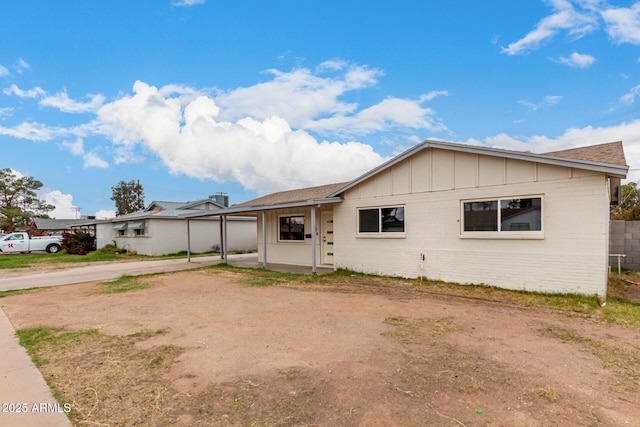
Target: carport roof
(281, 200)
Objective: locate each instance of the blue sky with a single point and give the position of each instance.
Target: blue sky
(196, 97)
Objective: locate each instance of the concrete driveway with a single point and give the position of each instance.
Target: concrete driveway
(113, 270)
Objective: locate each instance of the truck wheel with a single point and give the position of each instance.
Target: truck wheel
(53, 248)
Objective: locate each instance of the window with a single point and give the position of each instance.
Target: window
(120, 229)
(137, 227)
(503, 215)
(381, 220)
(292, 227)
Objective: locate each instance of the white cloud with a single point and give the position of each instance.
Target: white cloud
(578, 60)
(547, 101)
(262, 154)
(63, 203)
(628, 133)
(629, 97)
(22, 65)
(578, 18)
(92, 160)
(62, 102)
(6, 111)
(623, 24)
(30, 93)
(105, 214)
(31, 131)
(187, 3)
(400, 112)
(297, 96)
(74, 147)
(4, 71)
(263, 136)
(432, 95)
(577, 23)
(552, 99)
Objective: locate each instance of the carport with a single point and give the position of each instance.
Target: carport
(260, 207)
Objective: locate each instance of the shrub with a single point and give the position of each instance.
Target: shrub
(78, 243)
(110, 249)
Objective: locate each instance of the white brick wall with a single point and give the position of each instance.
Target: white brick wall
(572, 256)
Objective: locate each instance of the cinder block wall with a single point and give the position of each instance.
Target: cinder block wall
(624, 238)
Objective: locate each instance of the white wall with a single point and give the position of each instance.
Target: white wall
(290, 252)
(571, 256)
(166, 236)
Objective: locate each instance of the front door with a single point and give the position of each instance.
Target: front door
(327, 237)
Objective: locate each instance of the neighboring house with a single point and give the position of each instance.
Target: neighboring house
(459, 213)
(160, 229)
(48, 226)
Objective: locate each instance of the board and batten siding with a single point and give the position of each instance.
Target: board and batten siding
(570, 258)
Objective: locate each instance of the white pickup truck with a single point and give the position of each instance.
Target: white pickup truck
(22, 242)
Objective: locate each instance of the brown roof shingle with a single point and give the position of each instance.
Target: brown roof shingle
(611, 153)
(298, 195)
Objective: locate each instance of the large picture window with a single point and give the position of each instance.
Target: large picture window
(381, 220)
(503, 215)
(292, 227)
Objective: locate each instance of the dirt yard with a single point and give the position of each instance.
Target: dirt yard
(203, 348)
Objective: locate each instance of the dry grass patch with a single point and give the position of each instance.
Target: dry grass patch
(106, 379)
(625, 360)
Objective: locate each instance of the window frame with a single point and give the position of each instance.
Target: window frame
(138, 231)
(499, 233)
(380, 234)
(293, 215)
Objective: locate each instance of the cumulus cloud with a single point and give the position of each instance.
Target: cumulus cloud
(63, 203)
(578, 60)
(261, 154)
(4, 71)
(105, 214)
(93, 160)
(298, 96)
(74, 147)
(278, 134)
(628, 133)
(623, 24)
(62, 102)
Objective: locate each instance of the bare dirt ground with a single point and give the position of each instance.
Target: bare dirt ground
(202, 348)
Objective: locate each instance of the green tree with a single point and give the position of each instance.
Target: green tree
(128, 197)
(629, 207)
(19, 203)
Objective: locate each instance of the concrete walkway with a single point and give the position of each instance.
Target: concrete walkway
(113, 270)
(25, 398)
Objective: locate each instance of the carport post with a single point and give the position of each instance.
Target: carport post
(188, 241)
(221, 238)
(313, 239)
(264, 239)
(224, 229)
